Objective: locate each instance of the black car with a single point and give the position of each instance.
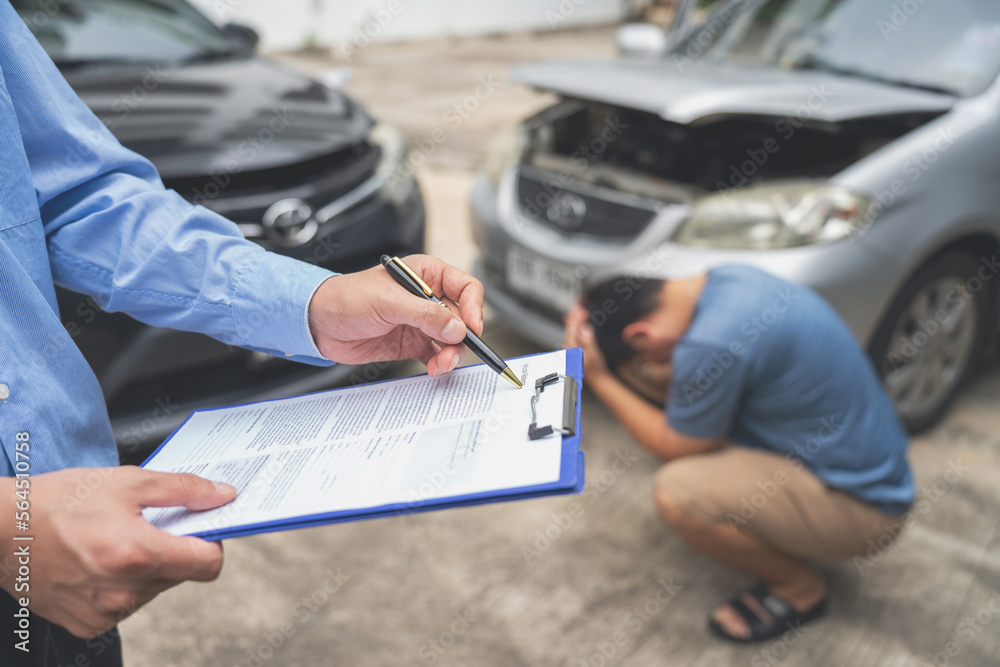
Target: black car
(299, 166)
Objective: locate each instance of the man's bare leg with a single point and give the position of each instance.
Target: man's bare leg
(795, 582)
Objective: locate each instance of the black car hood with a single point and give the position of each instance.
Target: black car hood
(236, 115)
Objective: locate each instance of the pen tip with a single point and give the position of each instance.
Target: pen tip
(507, 373)
(384, 259)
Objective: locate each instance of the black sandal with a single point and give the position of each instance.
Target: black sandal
(782, 617)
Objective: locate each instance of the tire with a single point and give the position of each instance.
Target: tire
(933, 337)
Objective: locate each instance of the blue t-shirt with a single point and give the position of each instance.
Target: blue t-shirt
(769, 364)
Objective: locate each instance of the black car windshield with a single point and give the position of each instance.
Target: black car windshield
(81, 32)
(944, 45)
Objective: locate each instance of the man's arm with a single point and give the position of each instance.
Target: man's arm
(113, 232)
(644, 422)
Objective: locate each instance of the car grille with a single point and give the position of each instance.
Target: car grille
(539, 193)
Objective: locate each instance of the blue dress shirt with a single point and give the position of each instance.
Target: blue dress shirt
(79, 210)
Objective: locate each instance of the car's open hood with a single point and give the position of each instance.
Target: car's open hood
(693, 91)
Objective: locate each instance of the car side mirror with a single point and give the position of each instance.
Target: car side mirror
(242, 34)
(641, 40)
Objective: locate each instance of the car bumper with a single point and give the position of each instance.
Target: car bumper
(856, 281)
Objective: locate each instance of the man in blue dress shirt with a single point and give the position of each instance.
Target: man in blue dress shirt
(79, 210)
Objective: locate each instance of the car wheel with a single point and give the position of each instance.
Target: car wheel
(931, 337)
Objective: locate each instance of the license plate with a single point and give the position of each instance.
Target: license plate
(549, 283)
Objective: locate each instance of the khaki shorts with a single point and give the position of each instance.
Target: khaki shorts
(778, 501)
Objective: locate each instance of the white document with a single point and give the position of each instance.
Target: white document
(397, 442)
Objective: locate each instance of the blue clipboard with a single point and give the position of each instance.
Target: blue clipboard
(571, 480)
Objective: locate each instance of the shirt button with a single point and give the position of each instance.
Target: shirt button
(4, 392)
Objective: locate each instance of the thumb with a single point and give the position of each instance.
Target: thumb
(432, 319)
(166, 489)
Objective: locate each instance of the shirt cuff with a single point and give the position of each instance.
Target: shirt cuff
(271, 306)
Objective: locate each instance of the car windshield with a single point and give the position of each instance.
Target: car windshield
(949, 46)
(85, 32)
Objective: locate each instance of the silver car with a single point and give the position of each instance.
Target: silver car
(849, 145)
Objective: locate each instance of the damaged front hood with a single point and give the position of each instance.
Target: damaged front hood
(694, 91)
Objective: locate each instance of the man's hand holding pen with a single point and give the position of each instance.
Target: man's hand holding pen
(362, 317)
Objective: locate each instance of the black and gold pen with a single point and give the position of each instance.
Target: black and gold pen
(406, 277)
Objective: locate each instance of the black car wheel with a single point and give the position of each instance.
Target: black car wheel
(931, 337)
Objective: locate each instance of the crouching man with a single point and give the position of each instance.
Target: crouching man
(782, 448)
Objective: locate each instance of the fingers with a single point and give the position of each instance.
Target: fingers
(162, 489)
(585, 339)
(575, 325)
(576, 316)
(185, 558)
(78, 617)
(431, 319)
(450, 283)
(446, 360)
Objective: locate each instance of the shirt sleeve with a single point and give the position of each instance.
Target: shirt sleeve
(114, 232)
(706, 391)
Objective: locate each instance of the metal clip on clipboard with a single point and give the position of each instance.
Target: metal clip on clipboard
(536, 432)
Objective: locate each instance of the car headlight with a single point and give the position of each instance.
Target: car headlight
(397, 178)
(767, 217)
(506, 148)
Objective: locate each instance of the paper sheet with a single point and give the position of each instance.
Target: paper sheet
(403, 441)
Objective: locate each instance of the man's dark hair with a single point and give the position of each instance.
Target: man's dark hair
(613, 305)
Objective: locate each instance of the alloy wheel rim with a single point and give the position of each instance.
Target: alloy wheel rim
(930, 346)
